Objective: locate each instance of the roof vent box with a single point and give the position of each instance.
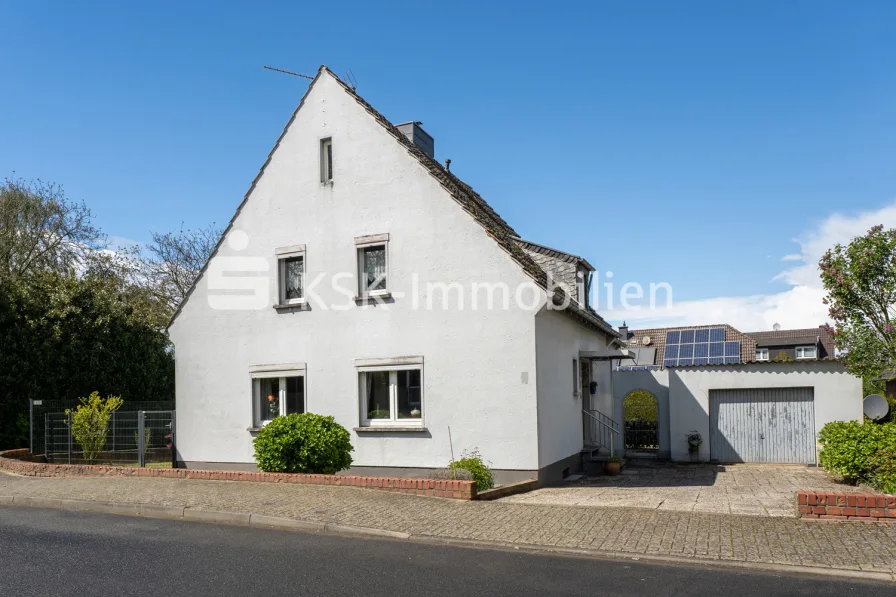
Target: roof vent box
(418, 137)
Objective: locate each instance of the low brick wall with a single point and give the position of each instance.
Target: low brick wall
(21, 462)
(846, 506)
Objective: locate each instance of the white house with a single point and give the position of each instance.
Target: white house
(355, 280)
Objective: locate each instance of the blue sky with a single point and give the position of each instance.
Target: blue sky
(679, 142)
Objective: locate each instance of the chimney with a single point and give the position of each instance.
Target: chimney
(418, 137)
(623, 329)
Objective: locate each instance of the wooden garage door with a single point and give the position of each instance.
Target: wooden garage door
(762, 425)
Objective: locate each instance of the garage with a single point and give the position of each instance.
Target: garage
(773, 425)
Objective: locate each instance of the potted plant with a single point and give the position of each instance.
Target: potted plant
(695, 440)
(612, 465)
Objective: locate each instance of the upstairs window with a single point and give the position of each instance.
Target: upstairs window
(326, 160)
(806, 352)
(762, 354)
(291, 275)
(373, 265)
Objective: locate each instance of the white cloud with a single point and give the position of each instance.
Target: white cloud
(798, 306)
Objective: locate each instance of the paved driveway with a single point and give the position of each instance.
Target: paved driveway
(758, 490)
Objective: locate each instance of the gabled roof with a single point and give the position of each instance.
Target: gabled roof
(469, 199)
(554, 253)
(820, 335)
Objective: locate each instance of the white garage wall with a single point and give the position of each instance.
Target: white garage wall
(838, 395)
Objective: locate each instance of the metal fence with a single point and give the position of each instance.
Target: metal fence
(641, 435)
(137, 438)
(38, 409)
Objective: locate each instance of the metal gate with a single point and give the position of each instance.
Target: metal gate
(774, 425)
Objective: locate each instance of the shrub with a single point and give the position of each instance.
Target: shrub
(640, 405)
(472, 461)
(451, 474)
(857, 451)
(90, 423)
(303, 443)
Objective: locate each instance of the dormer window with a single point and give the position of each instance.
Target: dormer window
(583, 286)
(326, 160)
(806, 352)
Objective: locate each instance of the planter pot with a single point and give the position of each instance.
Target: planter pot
(612, 468)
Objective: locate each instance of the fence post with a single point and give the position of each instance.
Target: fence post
(113, 431)
(173, 442)
(69, 437)
(31, 426)
(141, 441)
(46, 435)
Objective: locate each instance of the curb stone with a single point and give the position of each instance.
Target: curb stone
(274, 522)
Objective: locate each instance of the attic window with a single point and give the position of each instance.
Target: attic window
(326, 160)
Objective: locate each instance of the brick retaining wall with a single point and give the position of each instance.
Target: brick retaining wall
(846, 506)
(21, 462)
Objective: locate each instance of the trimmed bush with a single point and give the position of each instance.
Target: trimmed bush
(472, 461)
(303, 443)
(860, 452)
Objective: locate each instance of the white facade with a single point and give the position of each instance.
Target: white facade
(499, 378)
(683, 395)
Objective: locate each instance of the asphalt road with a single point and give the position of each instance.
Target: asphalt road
(58, 553)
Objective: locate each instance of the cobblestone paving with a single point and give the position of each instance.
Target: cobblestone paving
(855, 546)
(756, 490)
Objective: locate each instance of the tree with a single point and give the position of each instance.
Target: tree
(173, 260)
(860, 280)
(40, 229)
(64, 336)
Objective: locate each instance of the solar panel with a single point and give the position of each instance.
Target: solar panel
(706, 346)
(701, 350)
(732, 360)
(685, 362)
(671, 352)
(687, 336)
(717, 349)
(685, 351)
(701, 360)
(670, 362)
(717, 335)
(732, 349)
(701, 336)
(716, 360)
(673, 337)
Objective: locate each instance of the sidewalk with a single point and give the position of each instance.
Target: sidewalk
(634, 532)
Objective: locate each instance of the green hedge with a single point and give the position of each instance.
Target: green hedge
(303, 443)
(860, 452)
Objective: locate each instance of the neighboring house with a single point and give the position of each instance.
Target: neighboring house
(748, 405)
(379, 264)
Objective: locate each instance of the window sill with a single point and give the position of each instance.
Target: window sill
(390, 428)
(386, 294)
(254, 429)
(287, 306)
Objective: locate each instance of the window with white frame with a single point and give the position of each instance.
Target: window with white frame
(806, 352)
(373, 264)
(391, 394)
(762, 354)
(276, 392)
(326, 160)
(291, 274)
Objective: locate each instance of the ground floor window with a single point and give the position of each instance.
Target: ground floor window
(391, 396)
(274, 396)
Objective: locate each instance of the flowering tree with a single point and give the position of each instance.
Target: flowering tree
(860, 280)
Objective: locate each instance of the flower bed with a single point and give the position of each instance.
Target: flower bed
(23, 463)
